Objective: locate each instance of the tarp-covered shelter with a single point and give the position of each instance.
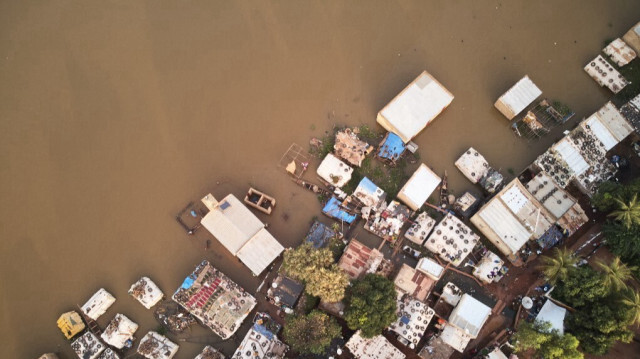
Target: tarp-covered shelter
(120, 330)
(391, 148)
(98, 304)
(334, 171)
(415, 107)
(319, 235)
(554, 314)
(285, 291)
(377, 347)
(419, 187)
(70, 323)
(518, 97)
(242, 233)
(146, 292)
(473, 165)
(333, 208)
(350, 148)
(157, 346)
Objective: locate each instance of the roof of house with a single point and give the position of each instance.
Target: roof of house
(333, 208)
(350, 148)
(334, 171)
(469, 315)
(359, 259)
(286, 290)
(87, 346)
(413, 282)
(157, 346)
(415, 107)
(489, 263)
(98, 304)
(455, 337)
(452, 240)
(632, 37)
(413, 319)
(387, 221)
(319, 234)
(368, 193)
(391, 147)
(377, 347)
(605, 74)
(620, 52)
(419, 187)
(554, 314)
(472, 165)
(430, 267)
(210, 352)
(555, 199)
(146, 292)
(119, 331)
(260, 251)
(108, 354)
(420, 228)
(518, 97)
(260, 343)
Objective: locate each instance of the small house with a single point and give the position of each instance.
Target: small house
(334, 171)
(377, 347)
(387, 221)
(284, 292)
(334, 209)
(358, 259)
(391, 148)
(489, 268)
(420, 228)
(87, 346)
(210, 352)
(157, 346)
(466, 205)
(260, 343)
(98, 304)
(608, 125)
(350, 148)
(430, 267)
(473, 165)
(419, 187)
(70, 324)
(413, 318)
(413, 282)
(605, 75)
(146, 292)
(620, 52)
(319, 235)
(415, 107)
(517, 98)
(465, 322)
(367, 194)
(452, 240)
(119, 332)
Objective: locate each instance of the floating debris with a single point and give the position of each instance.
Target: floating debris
(173, 317)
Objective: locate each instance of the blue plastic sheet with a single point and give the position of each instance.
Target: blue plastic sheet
(392, 148)
(334, 210)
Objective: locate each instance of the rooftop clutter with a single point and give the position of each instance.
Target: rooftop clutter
(377, 347)
(146, 292)
(87, 346)
(119, 333)
(157, 346)
(452, 240)
(420, 228)
(261, 342)
(350, 148)
(413, 319)
(388, 220)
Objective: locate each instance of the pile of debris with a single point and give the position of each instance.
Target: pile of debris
(173, 317)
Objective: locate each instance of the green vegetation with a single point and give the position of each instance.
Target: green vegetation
(615, 274)
(390, 179)
(311, 333)
(160, 329)
(326, 145)
(559, 265)
(631, 72)
(371, 305)
(546, 343)
(317, 269)
(310, 302)
(605, 198)
(627, 212)
(365, 133)
(562, 109)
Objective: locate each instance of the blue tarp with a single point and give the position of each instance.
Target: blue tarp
(334, 210)
(368, 186)
(550, 238)
(392, 148)
(319, 235)
(188, 282)
(263, 330)
(405, 320)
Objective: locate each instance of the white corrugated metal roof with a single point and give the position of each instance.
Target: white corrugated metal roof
(553, 314)
(419, 187)
(518, 97)
(469, 315)
(232, 223)
(599, 130)
(415, 107)
(334, 171)
(472, 165)
(377, 347)
(455, 338)
(260, 251)
(98, 304)
(514, 199)
(619, 127)
(430, 267)
(636, 101)
(571, 156)
(556, 200)
(505, 225)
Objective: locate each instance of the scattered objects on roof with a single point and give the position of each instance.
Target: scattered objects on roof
(391, 148)
(387, 221)
(98, 304)
(350, 148)
(413, 282)
(620, 52)
(415, 107)
(492, 181)
(260, 343)
(119, 331)
(436, 349)
(413, 319)
(511, 218)
(614, 121)
(242, 233)
(553, 314)
(156, 346)
(319, 235)
(108, 354)
(173, 317)
(631, 111)
(488, 269)
(70, 323)
(146, 292)
(87, 346)
(555, 199)
(573, 219)
(420, 228)
(377, 347)
(285, 291)
(334, 171)
(216, 300)
(472, 165)
(605, 75)
(430, 267)
(454, 337)
(451, 294)
(632, 37)
(550, 238)
(358, 259)
(517, 98)
(466, 204)
(210, 352)
(452, 240)
(419, 187)
(334, 209)
(367, 194)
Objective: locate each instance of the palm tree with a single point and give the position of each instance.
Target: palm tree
(558, 266)
(627, 213)
(615, 274)
(631, 299)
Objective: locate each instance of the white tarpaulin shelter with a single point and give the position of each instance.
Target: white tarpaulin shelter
(156, 346)
(334, 171)
(119, 330)
(472, 165)
(553, 314)
(415, 107)
(469, 315)
(242, 233)
(419, 187)
(518, 97)
(98, 304)
(146, 292)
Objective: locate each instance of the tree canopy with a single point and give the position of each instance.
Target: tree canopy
(615, 274)
(371, 305)
(623, 241)
(323, 278)
(559, 265)
(311, 333)
(605, 198)
(546, 343)
(599, 326)
(582, 287)
(627, 212)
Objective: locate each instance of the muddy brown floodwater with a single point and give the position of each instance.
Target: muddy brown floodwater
(115, 115)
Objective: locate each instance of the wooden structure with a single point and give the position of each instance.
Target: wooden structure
(295, 160)
(260, 201)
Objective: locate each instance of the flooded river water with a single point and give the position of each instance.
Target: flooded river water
(114, 116)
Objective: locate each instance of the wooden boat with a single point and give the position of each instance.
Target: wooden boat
(259, 200)
(91, 324)
(444, 192)
(313, 188)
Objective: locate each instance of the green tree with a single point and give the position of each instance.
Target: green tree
(311, 333)
(600, 325)
(628, 213)
(559, 266)
(604, 199)
(623, 242)
(371, 305)
(615, 274)
(546, 343)
(582, 287)
(631, 299)
(317, 269)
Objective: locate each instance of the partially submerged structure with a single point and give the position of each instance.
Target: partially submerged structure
(146, 292)
(259, 200)
(415, 107)
(350, 148)
(489, 268)
(619, 52)
(98, 304)
(334, 171)
(87, 346)
(466, 205)
(210, 352)
(284, 292)
(70, 323)
(119, 332)
(419, 187)
(413, 319)
(632, 37)
(157, 346)
(391, 148)
(358, 259)
(261, 342)
(295, 160)
(452, 240)
(605, 75)
(241, 232)
(367, 195)
(473, 165)
(413, 282)
(213, 298)
(386, 222)
(553, 314)
(465, 322)
(420, 228)
(334, 209)
(518, 97)
(377, 347)
(319, 235)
